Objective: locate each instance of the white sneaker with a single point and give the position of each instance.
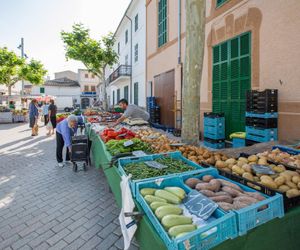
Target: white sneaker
(68, 162)
(60, 164)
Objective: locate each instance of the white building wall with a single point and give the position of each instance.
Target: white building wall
(87, 81)
(68, 74)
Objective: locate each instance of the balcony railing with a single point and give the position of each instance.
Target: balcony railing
(122, 70)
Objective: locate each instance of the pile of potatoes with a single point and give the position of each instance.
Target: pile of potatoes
(277, 155)
(227, 195)
(285, 181)
(199, 155)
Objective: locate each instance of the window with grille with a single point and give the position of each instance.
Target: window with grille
(86, 88)
(162, 22)
(126, 36)
(136, 93)
(136, 22)
(136, 52)
(231, 80)
(220, 2)
(86, 75)
(93, 88)
(119, 48)
(118, 95)
(126, 92)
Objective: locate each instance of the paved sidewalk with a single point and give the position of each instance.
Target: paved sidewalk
(43, 206)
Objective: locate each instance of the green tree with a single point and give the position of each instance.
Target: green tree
(95, 55)
(194, 53)
(14, 69)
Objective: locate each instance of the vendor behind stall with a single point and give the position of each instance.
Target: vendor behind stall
(132, 111)
(64, 132)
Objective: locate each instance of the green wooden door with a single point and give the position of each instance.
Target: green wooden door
(231, 80)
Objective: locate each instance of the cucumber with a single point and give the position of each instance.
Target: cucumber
(151, 198)
(181, 235)
(176, 230)
(169, 197)
(146, 191)
(172, 220)
(179, 192)
(156, 204)
(165, 210)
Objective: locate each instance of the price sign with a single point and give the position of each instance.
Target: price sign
(177, 144)
(155, 164)
(139, 153)
(262, 169)
(200, 205)
(152, 137)
(128, 143)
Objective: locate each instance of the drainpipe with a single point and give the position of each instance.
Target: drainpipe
(179, 31)
(130, 96)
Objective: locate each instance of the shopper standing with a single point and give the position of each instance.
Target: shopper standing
(33, 116)
(52, 115)
(45, 110)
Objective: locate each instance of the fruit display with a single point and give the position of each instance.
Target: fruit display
(61, 117)
(282, 180)
(112, 134)
(116, 147)
(279, 156)
(92, 119)
(227, 195)
(90, 112)
(140, 170)
(165, 205)
(4, 109)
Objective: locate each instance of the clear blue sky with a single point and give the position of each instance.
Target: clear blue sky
(40, 23)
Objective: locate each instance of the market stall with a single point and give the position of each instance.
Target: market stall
(278, 232)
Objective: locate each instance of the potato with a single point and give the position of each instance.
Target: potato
(224, 157)
(296, 179)
(286, 176)
(256, 179)
(240, 163)
(207, 178)
(256, 195)
(204, 186)
(210, 161)
(238, 170)
(239, 205)
(280, 180)
(221, 193)
(225, 206)
(220, 164)
(226, 170)
(231, 191)
(262, 162)
(248, 176)
(252, 158)
(230, 184)
(266, 177)
(192, 182)
(230, 161)
(246, 199)
(243, 159)
(230, 166)
(222, 198)
(207, 193)
(268, 183)
(215, 185)
(291, 184)
(292, 193)
(292, 173)
(247, 168)
(284, 188)
(278, 169)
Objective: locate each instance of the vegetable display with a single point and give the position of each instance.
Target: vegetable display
(227, 195)
(165, 205)
(111, 134)
(283, 180)
(116, 147)
(141, 171)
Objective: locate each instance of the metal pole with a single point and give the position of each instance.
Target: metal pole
(22, 55)
(130, 57)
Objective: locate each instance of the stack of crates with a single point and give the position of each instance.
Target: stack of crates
(214, 130)
(261, 116)
(153, 109)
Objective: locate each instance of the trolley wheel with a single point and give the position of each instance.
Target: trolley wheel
(84, 167)
(75, 167)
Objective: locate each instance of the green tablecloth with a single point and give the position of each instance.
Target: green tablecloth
(281, 234)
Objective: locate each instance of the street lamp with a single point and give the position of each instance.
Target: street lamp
(21, 47)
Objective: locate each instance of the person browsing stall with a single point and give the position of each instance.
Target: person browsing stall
(64, 132)
(131, 111)
(33, 116)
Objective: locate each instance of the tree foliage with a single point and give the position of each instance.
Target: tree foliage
(95, 55)
(14, 68)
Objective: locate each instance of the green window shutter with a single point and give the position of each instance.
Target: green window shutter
(136, 22)
(136, 93)
(113, 97)
(126, 36)
(231, 79)
(220, 2)
(126, 93)
(118, 95)
(162, 22)
(136, 53)
(42, 90)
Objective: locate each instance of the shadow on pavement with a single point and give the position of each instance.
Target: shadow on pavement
(15, 142)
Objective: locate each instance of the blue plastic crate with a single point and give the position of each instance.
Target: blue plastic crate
(218, 145)
(261, 135)
(250, 217)
(265, 115)
(122, 162)
(214, 132)
(206, 237)
(238, 142)
(289, 150)
(218, 121)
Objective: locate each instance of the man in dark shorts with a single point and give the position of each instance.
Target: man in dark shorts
(52, 115)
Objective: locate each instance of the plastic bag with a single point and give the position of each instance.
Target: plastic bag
(49, 126)
(128, 225)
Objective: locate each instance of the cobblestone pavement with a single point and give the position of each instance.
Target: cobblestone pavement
(43, 206)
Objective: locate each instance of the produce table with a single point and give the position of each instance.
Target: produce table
(276, 234)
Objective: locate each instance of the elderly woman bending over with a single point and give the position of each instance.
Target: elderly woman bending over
(64, 132)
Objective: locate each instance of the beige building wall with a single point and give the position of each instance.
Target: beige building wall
(275, 59)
